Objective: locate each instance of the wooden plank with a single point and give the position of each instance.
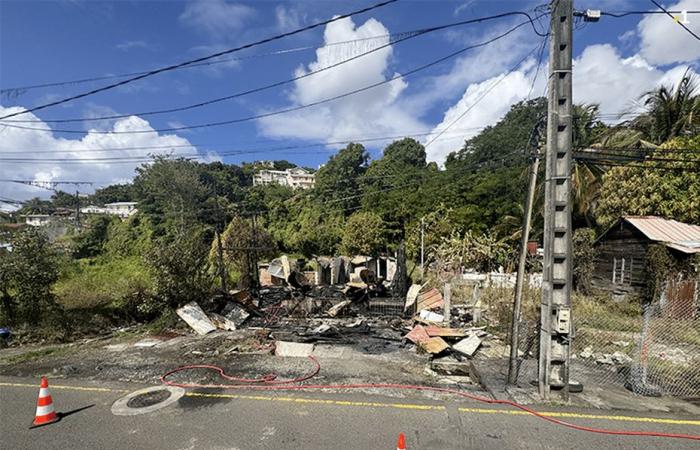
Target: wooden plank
(445, 332)
(434, 345)
(430, 300)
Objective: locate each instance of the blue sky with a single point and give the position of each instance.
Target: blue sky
(47, 41)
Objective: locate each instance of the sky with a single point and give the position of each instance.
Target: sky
(616, 60)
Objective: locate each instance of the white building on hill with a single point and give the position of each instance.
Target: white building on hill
(294, 178)
(119, 209)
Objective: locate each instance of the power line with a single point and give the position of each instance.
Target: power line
(660, 167)
(292, 109)
(621, 14)
(6, 91)
(539, 65)
(676, 20)
(203, 58)
(189, 156)
(202, 145)
(486, 92)
(405, 36)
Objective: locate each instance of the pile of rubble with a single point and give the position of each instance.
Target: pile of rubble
(441, 330)
(291, 307)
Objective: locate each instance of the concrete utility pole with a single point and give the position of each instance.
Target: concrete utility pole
(555, 313)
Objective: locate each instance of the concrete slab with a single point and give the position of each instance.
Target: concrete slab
(293, 349)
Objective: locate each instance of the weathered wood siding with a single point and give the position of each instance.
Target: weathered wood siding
(620, 263)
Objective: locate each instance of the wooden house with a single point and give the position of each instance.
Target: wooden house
(621, 253)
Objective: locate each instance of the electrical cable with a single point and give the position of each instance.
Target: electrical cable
(659, 167)
(630, 13)
(203, 58)
(271, 383)
(405, 36)
(207, 147)
(7, 91)
(484, 94)
(287, 110)
(676, 20)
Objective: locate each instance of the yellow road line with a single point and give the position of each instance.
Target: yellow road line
(70, 388)
(410, 406)
(583, 416)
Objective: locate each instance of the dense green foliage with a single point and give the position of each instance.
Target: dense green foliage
(363, 234)
(674, 194)
(28, 274)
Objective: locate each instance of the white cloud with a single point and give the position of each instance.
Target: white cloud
(374, 112)
(475, 65)
(219, 18)
(288, 18)
(488, 101)
(663, 41)
(80, 165)
(602, 76)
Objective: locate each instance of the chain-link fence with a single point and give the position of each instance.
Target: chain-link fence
(650, 350)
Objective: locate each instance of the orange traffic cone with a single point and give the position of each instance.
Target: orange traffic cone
(45, 414)
(402, 442)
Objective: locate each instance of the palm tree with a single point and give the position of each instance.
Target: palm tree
(585, 176)
(671, 111)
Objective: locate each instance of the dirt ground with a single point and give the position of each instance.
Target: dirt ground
(133, 356)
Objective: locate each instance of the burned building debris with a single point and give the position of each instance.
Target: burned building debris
(363, 301)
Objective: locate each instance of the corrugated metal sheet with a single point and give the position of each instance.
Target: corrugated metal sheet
(677, 235)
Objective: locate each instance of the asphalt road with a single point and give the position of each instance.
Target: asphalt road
(308, 420)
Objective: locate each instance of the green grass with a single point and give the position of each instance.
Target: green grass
(93, 283)
(36, 354)
(603, 313)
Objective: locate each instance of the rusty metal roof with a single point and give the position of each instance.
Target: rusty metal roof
(677, 235)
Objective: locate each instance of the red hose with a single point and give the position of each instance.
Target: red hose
(270, 383)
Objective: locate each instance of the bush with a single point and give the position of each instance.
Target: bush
(180, 270)
(29, 272)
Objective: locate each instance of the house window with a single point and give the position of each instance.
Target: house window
(622, 271)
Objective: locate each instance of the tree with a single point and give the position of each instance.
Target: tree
(671, 111)
(171, 193)
(243, 247)
(181, 275)
(469, 250)
(338, 181)
(485, 181)
(30, 269)
(364, 234)
(437, 224)
(308, 227)
(90, 241)
(643, 188)
(36, 206)
(392, 185)
(61, 199)
(113, 193)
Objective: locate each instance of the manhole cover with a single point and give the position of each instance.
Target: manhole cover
(148, 399)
